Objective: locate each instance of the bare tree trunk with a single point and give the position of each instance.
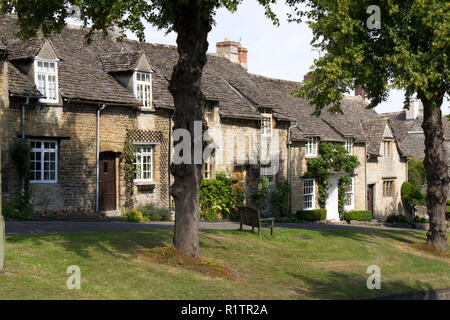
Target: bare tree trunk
(437, 176)
(192, 22)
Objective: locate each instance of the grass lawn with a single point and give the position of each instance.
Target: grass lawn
(295, 264)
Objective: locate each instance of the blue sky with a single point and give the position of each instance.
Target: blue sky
(282, 52)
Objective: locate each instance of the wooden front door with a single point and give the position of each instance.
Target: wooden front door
(370, 198)
(107, 181)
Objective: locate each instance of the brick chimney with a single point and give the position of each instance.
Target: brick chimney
(359, 91)
(415, 109)
(233, 51)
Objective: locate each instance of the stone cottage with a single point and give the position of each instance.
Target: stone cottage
(80, 105)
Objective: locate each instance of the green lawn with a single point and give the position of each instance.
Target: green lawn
(329, 265)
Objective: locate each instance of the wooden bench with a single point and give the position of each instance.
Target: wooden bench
(252, 217)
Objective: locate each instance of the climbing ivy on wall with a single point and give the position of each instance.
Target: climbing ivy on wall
(331, 158)
(343, 186)
(129, 154)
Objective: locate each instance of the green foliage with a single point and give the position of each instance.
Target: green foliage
(280, 198)
(407, 52)
(412, 195)
(133, 215)
(100, 15)
(151, 212)
(420, 220)
(312, 215)
(359, 215)
(343, 185)
(416, 173)
(220, 197)
(19, 208)
(20, 156)
(396, 218)
(129, 154)
(261, 196)
(331, 158)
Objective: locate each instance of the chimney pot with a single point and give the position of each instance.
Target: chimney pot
(233, 51)
(359, 91)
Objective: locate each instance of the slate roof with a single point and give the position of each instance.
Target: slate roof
(20, 84)
(120, 62)
(409, 134)
(83, 75)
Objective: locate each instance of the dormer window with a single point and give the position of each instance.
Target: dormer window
(46, 79)
(311, 146)
(143, 88)
(349, 145)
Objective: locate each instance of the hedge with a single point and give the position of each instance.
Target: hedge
(398, 218)
(360, 215)
(312, 215)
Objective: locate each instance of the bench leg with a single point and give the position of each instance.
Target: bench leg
(240, 228)
(259, 231)
(253, 228)
(271, 229)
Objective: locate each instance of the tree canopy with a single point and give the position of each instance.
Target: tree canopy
(408, 49)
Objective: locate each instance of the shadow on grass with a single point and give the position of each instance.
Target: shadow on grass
(365, 235)
(114, 243)
(336, 285)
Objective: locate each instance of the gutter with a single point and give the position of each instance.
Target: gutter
(99, 110)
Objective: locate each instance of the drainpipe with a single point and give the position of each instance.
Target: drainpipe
(289, 142)
(23, 117)
(98, 156)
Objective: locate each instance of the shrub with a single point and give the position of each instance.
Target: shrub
(448, 202)
(360, 215)
(312, 215)
(280, 198)
(412, 194)
(151, 212)
(18, 209)
(260, 197)
(420, 220)
(219, 197)
(396, 218)
(134, 215)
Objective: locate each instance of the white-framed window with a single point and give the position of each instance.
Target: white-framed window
(349, 145)
(350, 196)
(144, 163)
(267, 171)
(143, 88)
(311, 146)
(388, 188)
(266, 125)
(309, 194)
(43, 161)
(387, 149)
(46, 79)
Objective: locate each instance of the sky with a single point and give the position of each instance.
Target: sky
(282, 52)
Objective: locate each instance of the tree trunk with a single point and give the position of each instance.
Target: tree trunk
(192, 23)
(437, 176)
